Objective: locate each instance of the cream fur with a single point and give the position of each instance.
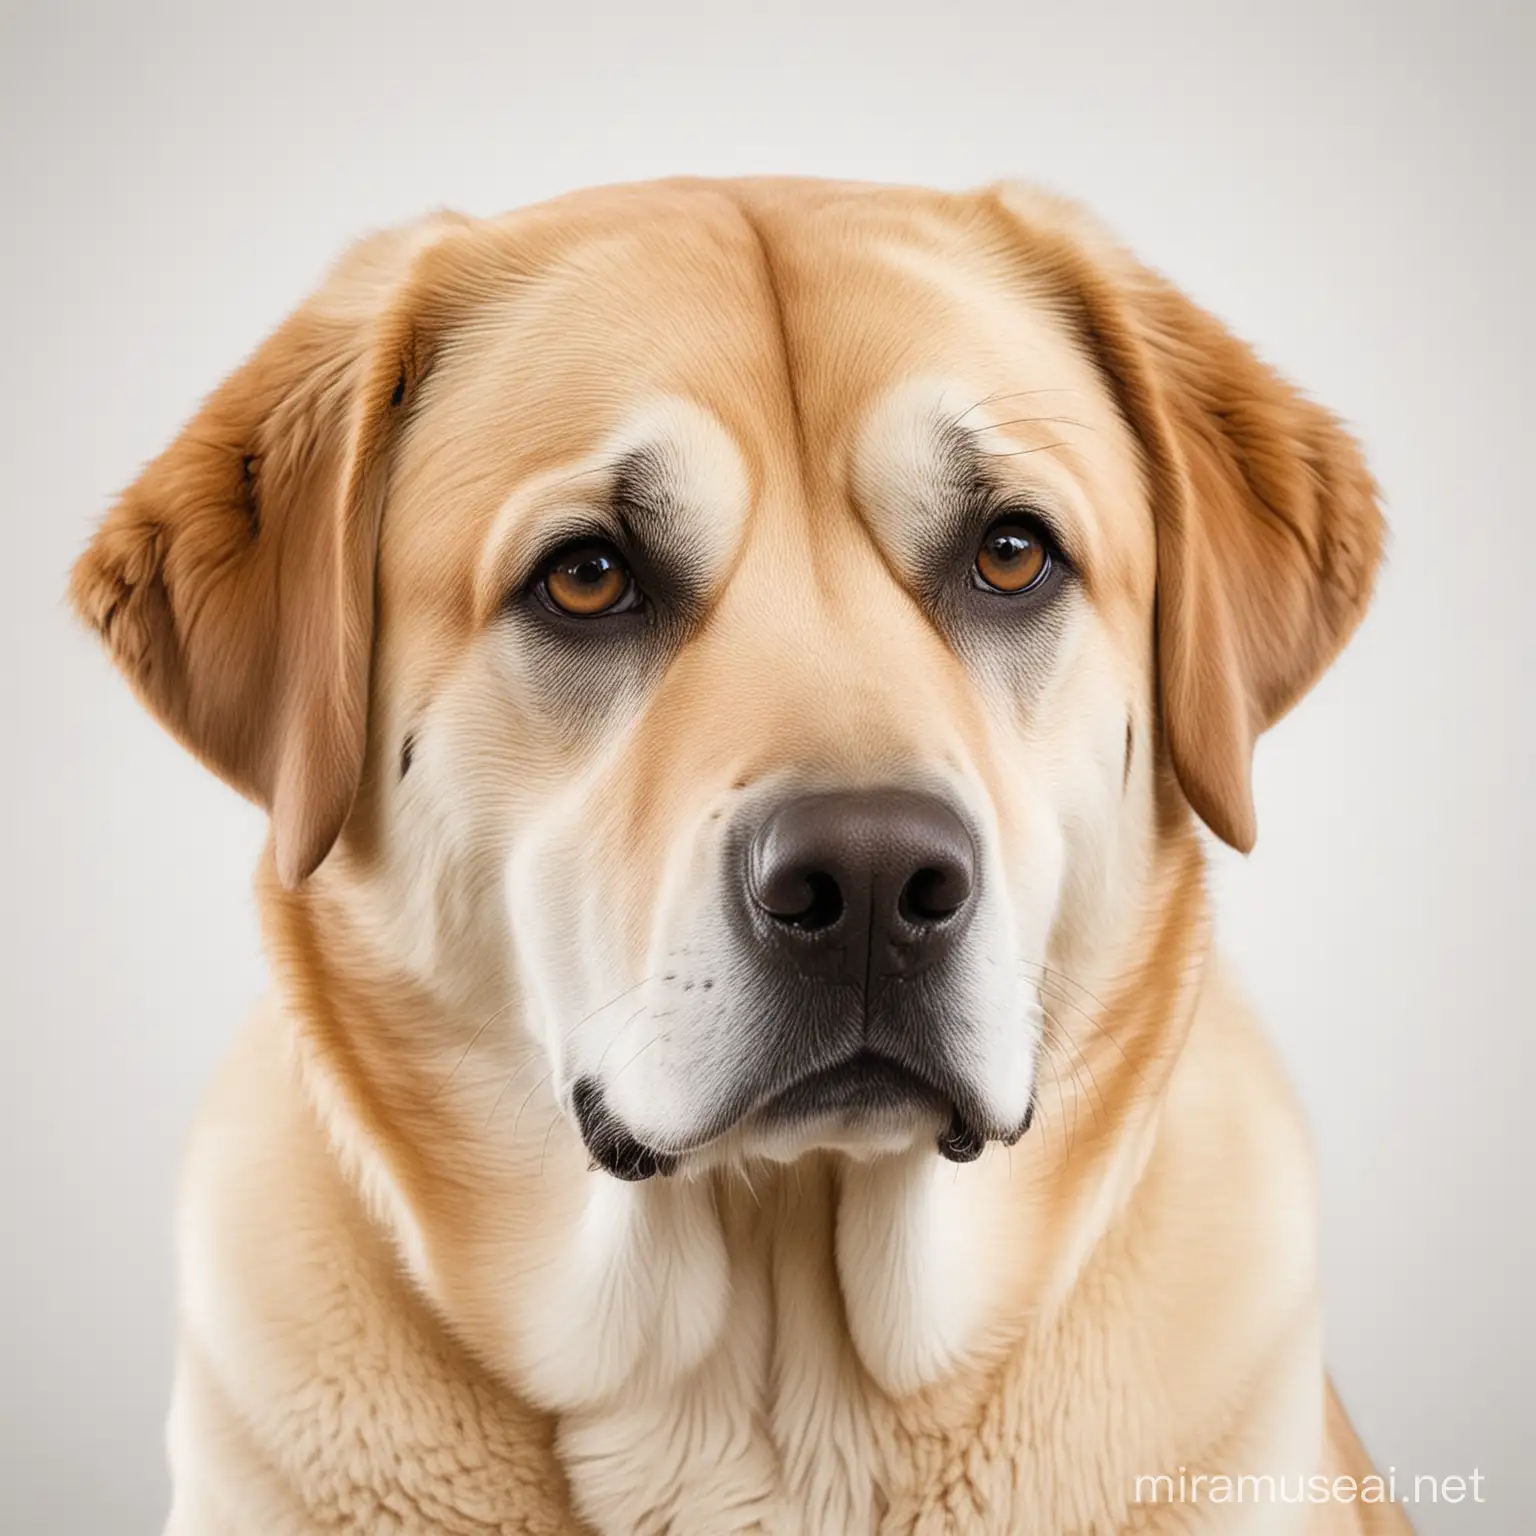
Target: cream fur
(408, 1302)
(717, 1355)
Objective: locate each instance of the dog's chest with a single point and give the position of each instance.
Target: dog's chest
(779, 1426)
(776, 1430)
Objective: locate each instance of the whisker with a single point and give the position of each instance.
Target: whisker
(1019, 453)
(1043, 1122)
(597, 1070)
(1061, 1104)
(638, 1054)
(474, 1040)
(518, 1067)
(526, 1101)
(496, 1104)
(1062, 976)
(554, 1120)
(1068, 1129)
(1065, 1041)
(535, 1046)
(1052, 995)
(1057, 994)
(529, 1058)
(1018, 394)
(618, 997)
(1025, 421)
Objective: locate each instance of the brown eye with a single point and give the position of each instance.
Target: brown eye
(1013, 557)
(589, 580)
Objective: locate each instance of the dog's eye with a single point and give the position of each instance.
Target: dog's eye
(1014, 557)
(588, 581)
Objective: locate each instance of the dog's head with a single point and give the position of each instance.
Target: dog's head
(759, 634)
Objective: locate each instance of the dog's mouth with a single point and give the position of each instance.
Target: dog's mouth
(866, 1087)
(870, 1086)
(865, 1084)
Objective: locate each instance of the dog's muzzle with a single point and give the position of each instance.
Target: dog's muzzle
(850, 909)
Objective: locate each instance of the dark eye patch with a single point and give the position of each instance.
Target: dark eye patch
(642, 524)
(969, 508)
(1010, 637)
(591, 664)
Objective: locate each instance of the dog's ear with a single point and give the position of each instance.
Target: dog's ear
(1268, 540)
(233, 583)
(1268, 529)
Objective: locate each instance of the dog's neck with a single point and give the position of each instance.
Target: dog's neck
(582, 1290)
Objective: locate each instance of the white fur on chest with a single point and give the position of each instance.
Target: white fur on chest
(720, 1354)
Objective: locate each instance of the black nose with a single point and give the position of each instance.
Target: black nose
(854, 886)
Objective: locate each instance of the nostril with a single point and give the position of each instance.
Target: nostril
(933, 894)
(810, 902)
(856, 871)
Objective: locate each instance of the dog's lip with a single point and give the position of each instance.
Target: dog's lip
(870, 1082)
(866, 1081)
(609, 1142)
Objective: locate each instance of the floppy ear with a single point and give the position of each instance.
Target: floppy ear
(233, 583)
(1268, 530)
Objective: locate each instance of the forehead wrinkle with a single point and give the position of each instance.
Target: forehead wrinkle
(799, 357)
(777, 309)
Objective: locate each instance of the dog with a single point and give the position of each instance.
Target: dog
(735, 671)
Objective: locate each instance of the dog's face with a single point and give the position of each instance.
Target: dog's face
(768, 627)
(809, 648)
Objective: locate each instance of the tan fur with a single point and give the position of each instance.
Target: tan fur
(407, 1304)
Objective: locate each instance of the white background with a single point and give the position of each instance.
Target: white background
(1347, 184)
